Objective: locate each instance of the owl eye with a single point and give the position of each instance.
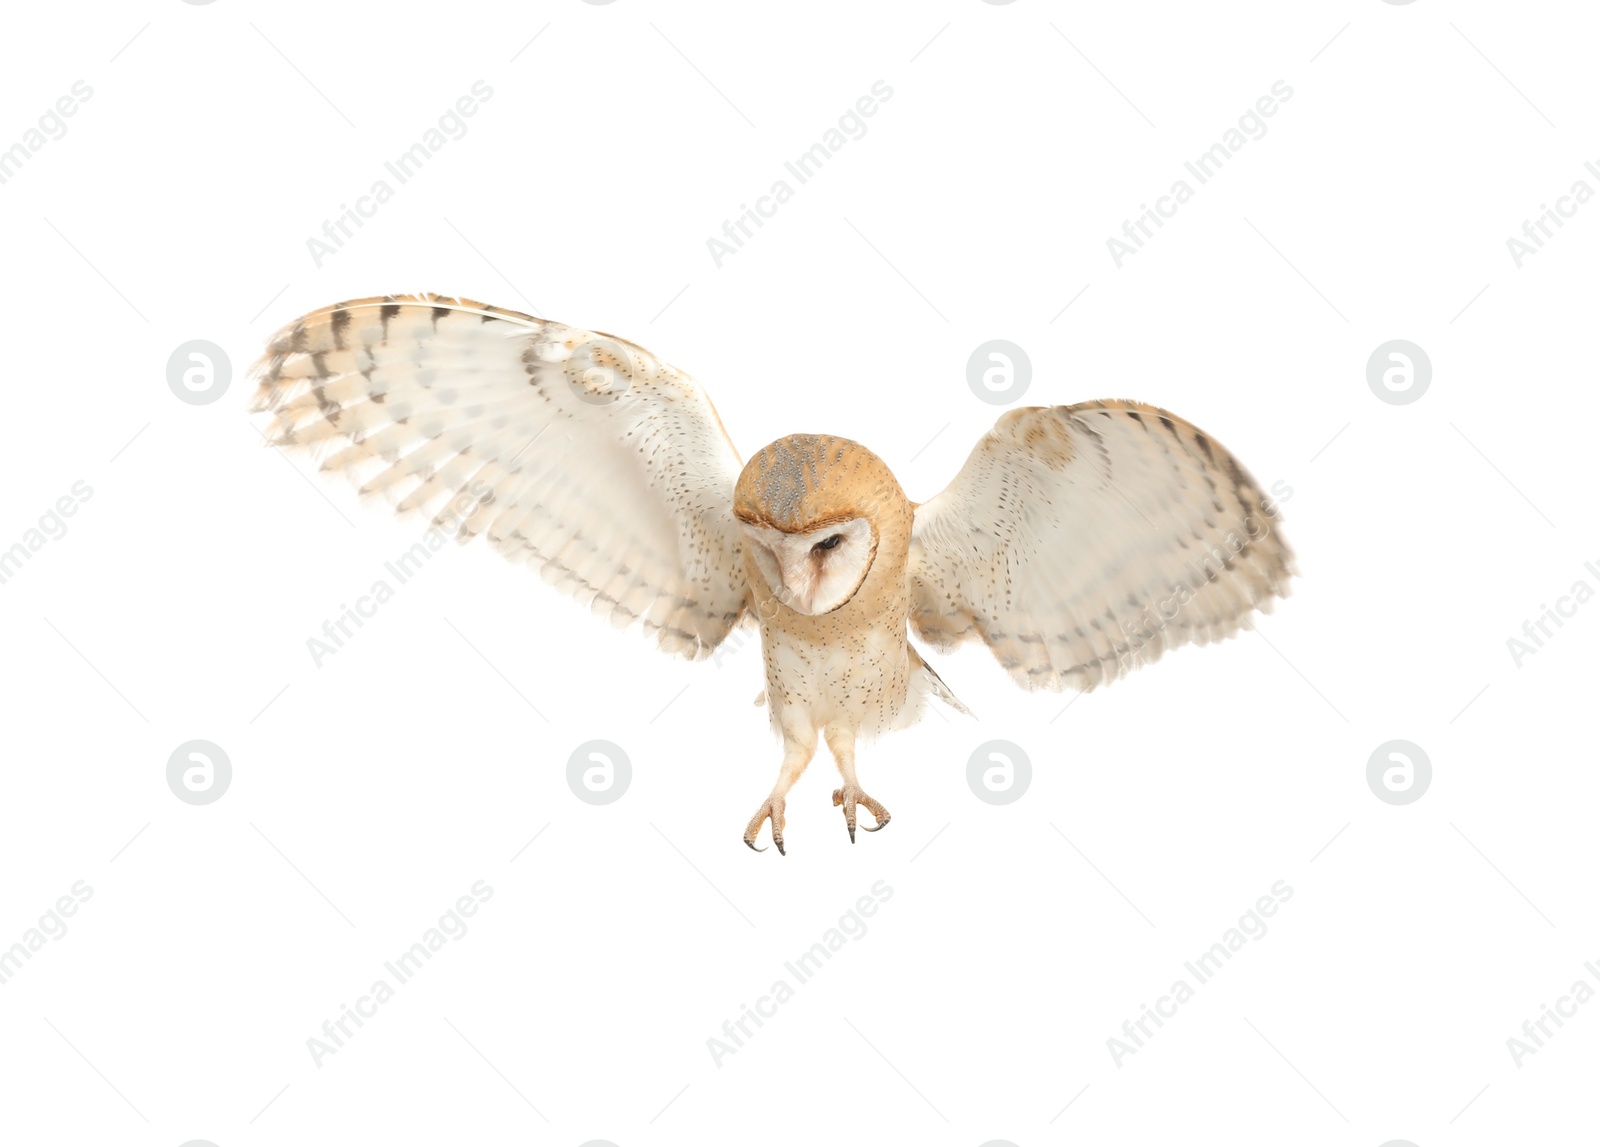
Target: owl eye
(828, 543)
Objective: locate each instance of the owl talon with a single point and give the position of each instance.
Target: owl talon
(772, 809)
(849, 797)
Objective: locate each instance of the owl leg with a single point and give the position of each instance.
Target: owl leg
(842, 744)
(798, 749)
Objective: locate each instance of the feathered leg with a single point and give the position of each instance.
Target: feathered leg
(799, 746)
(842, 744)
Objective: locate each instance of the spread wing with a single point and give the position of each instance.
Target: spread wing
(1080, 542)
(577, 452)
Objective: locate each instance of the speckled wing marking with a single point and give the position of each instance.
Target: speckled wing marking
(577, 452)
(1080, 542)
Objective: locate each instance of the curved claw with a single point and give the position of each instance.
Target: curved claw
(849, 799)
(770, 809)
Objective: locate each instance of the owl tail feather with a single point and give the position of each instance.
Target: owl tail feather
(936, 686)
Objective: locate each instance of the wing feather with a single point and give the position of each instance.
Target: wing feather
(577, 452)
(1079, 542)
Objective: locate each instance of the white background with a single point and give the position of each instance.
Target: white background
(369, 794)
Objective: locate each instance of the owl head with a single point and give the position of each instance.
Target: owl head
(819, 514)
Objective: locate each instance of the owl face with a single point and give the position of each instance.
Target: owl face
(817, 570)
(822, 520)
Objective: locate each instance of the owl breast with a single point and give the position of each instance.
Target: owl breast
(823, 672)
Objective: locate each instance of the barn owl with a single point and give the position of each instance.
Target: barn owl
(1077, 542)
